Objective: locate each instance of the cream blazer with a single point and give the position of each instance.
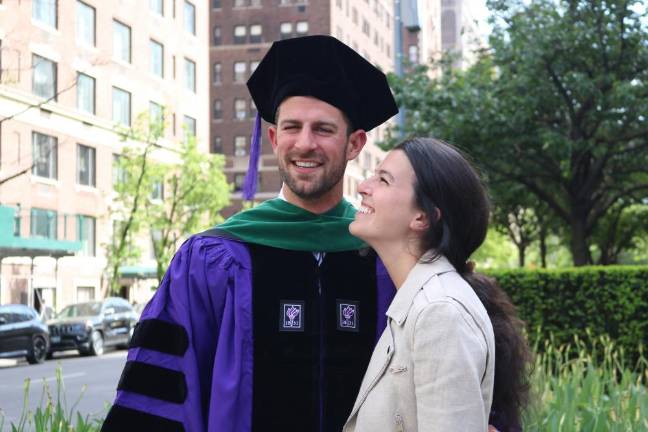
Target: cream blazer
(434, 365)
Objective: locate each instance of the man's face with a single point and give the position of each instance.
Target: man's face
(312, 147)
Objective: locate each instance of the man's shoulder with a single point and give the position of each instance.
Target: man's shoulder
(218, 247)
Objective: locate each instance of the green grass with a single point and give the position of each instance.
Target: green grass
(52, 414)
(586, 387)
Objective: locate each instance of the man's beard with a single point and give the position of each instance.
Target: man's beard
(316, 188)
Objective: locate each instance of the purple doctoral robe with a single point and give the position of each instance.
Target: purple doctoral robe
(208, 291)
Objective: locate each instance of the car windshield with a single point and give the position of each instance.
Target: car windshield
(81, 309)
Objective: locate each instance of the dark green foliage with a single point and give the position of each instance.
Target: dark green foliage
(555, 107)
(609, 300)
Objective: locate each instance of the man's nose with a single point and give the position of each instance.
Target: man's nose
(305, 140)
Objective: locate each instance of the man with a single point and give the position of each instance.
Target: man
(268, 322)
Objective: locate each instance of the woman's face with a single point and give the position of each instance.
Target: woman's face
(388, 214)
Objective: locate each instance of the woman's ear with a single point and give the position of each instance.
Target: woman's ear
(421, 222)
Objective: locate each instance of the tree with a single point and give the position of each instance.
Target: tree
(557, 105)
(133, 187)
(197, 190)
(621, 230)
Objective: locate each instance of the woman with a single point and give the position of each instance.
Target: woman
(452, 353)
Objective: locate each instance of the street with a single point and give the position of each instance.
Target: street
(97, 377)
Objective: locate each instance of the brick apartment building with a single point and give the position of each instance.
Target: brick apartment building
(71, 71)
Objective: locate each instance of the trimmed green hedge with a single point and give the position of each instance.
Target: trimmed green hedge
(609, 300)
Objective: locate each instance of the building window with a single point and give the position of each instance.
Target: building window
(85, 294)
(43, 77)
(240, 145)
(157, 58)
(365, 27)
(86, 233)
(240, 71)
(156, 114)
(240, 34)
(86, 165)
(118, 171)
(285, 30)
(157, 6)
(448, 28)
(45, 155)
(121, 41)
(189, 127)
(217, 145)
(45, 12)
(157, 190)
(240, 109)
(354, 15)
(218, 109)
(85, 93)
(121, 106)
(43, 223)
(190, 17)
(239, 179)
(216, 4)
(190, 75)
(85, 24)
(253, 66)
(217, 73)
(217, 39)
(413, 54)
(253, 109)
(302, 28)
(256, 33)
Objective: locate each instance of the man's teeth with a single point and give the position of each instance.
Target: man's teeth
(306, 164)
(365, 210)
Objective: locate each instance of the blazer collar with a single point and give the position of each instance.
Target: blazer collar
(420, 274)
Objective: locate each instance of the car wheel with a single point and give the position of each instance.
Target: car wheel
(96, 343)
(38, 350)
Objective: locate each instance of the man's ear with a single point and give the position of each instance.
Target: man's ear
(272, 135)
(357, 141)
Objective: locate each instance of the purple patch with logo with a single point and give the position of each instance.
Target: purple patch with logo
(348, 315)
(291, 316)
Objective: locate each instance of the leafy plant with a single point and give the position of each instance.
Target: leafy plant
(52, 414)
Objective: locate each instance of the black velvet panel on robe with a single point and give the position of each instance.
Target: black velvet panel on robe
(314, 332)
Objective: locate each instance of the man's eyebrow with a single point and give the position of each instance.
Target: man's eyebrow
(289, 120)
(329, 123)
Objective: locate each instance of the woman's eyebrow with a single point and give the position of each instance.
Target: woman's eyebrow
(385, 173)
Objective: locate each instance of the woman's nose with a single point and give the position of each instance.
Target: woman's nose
(363, 187)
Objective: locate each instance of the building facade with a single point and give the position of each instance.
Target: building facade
(242, 31)
(449, 26)
(72, 73)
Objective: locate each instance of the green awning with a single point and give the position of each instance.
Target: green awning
(12, 245)
(138, 272)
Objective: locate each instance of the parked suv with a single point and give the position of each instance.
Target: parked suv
(89, 327)
(22, 333)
